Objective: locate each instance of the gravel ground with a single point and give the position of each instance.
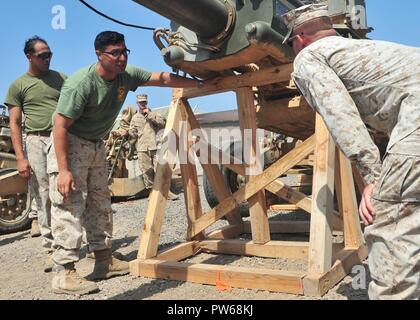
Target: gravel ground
(22, 276)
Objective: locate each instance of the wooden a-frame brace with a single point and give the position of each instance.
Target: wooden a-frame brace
(327, 263)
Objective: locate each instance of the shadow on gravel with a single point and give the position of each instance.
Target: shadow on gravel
(155, 286)
(346, 290)
(13, 239)
(116, 244)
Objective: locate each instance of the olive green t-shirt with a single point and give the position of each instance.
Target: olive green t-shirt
(94, 103)
(38, 97)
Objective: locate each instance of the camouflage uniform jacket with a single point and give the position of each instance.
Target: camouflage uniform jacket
(358, 83)
(146, 127)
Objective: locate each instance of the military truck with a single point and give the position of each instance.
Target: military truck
(15, 199)
(210, 38)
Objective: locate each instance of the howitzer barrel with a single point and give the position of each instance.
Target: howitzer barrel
(207, 18)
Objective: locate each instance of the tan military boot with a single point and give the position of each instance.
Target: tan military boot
(35, 231)
(49, 263)
(67, 281)
(90, 255)
(106, 266)
(172, 196)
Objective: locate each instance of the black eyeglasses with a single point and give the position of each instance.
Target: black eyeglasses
(117, 53)
(44, 55)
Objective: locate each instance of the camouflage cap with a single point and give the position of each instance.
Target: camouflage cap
(296, 17)
(141, 97)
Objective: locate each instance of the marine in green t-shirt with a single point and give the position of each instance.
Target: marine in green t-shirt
(34, 97)
(37, 96)
(89, 103)
(94, 103)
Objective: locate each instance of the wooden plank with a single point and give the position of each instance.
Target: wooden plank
(257, 203)
(284, 207)
(280, 189)
(211, 169)
(250, 79)
(288, 227)
(252, 187)
(232, 276)
(149, 238)
(346, 259)
(353, 237)
(283, 191)
(272, 249)
(320, 253)
(189, 175)
(179, 252)
(226, 232)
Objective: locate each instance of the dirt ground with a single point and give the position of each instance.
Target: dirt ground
(22, 276)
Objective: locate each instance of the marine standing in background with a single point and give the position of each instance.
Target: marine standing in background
(145, 124)
(35, 95)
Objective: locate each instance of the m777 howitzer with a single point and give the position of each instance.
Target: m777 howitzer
(242, 41)
(211, 38)
(214, 37)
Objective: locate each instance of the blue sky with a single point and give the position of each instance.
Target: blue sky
(73, 47)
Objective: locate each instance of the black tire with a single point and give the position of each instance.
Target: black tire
(211, 197)
(20, 222)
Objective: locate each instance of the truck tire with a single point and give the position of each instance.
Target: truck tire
(14, 212)
(229, 178)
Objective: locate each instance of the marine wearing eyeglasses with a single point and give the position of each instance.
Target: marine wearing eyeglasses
(90, 102)
(35, 95)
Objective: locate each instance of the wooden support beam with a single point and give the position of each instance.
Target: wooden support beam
(280, 189)
(180, 252)
(250, 79)
(317, 286)
(232, 276)
(284, 207)
(252, 187)
(272, 249)
(211, 169)
(149, 237)
(189, 175)
(251, 152)
(353, 236)
(320, 253)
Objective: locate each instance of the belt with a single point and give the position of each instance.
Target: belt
(39, 133)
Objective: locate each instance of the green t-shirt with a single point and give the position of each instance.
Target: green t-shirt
(94, 103)
(38, 97)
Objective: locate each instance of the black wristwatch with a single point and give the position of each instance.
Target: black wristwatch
(200, 84)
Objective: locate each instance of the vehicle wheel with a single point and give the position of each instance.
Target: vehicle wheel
(233, 182)
(14, 210)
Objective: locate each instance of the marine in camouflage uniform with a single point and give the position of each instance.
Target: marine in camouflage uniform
(35, 95)
(359, 84)
(89, 104)
(145, 124)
